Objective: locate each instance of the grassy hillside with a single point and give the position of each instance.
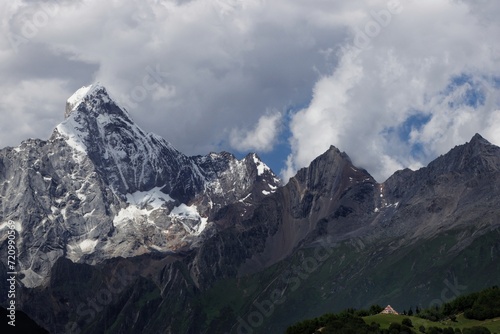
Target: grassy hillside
(432, 320)
(384, 320)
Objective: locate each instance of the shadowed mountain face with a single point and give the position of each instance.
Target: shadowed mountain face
(22, 324)
(120, 232)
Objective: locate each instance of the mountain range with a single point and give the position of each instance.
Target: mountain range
(119, 232)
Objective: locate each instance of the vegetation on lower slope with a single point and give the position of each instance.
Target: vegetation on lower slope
(352, 276)
(476, 313)
(480, 305)
(461, 323)
(346, 322)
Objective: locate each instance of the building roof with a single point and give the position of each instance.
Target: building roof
(389, 310)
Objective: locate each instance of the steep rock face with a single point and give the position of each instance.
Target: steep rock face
(54, 201)
(452, 191)
(332, 201)
(330, 188)
(101, 187)
(129, 159)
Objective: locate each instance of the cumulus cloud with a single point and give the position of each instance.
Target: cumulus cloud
(261, 138)
(223, 63)
(392, 83)
(404, 92)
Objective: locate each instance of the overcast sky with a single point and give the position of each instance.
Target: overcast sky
(392, 83)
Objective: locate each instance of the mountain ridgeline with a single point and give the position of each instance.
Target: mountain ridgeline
(118, 232)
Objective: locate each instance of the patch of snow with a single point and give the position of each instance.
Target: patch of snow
(190, 212)
(89, 213)
(73, 138)
(243, 199)
(18, 226)
(202, 226)
(261, 167)
(104, 119)
(87, 246)
(78, 97)
(265, 192)
(154, 198)
(130, 213)
(376, 210)
(185, 211)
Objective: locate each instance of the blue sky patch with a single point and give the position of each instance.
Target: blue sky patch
(415, 121)
(402, 132)
(474, 96)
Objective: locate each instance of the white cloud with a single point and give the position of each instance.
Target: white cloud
(226, 60)
(492, 132)
(405, 69)
(261, 138)
(224, 63)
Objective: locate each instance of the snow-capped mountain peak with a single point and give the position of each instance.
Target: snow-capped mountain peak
(82, 94)
(101, 187)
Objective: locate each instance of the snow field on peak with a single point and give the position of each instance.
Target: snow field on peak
(75, 99)
(261, 167)
(190, 212)
(73, 138)
(87, 245)
(142, 204)
(154, 198)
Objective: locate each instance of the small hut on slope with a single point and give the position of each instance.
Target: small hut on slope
(389, 310)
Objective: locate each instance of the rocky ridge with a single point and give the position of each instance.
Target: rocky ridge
(100, 187)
